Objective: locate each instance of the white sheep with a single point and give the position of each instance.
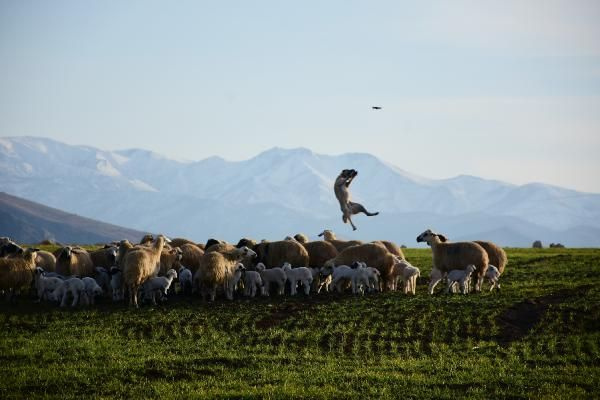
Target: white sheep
(360, 277)
(407, 273)
(185, 280)
(341, 276)
(158, 286)
(233, 280)
(461, 276)
(269, 276)
(493, 275)
(374, 279)
(116, 284)
(295, 275)
(44, 284)
(252, 282)
(73, 287)
(92, 289)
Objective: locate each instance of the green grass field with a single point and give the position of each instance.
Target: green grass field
(538, 338)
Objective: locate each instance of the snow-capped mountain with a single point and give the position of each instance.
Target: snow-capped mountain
(284, 191)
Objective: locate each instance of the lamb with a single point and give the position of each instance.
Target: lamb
(404, 271)
(139, 265)
(44, 284)
(329, 236)
(158, 286)
(116, 284)
(91, 289)
(449, 256)
(342, 193)
(73, 287)
(493, 275)
(435, 277)
(461, 276)
(17, 273)
(102, 278)
(274, 254)
(374, 278)
(361, 279)
(496, 254)
(217, 268)
(269, 276)
(295, 275)
(373, 254)
(185, 280)
(341, 276)
(252, 282)
(74, 261)
(234, 278)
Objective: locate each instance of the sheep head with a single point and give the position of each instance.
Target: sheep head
(246, 252)
(428, 236)
(327, 234)
(300, 237)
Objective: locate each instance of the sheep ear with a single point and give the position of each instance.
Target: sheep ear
(442, 238)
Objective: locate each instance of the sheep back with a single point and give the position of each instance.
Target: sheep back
(46, 260)
(319, 252)
(392, 248)
(496, 254)
(275, 254)
(191, 256)
(458, 255)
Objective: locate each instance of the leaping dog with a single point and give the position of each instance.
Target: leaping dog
(342, 193)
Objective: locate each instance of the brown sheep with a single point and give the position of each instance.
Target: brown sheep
(191, 256)
(219, 247)
(459, 255)
(319, 252)
(147, 239)
(124, 247)
(74, 261)
(496, 254)
(275, 254)
(140, 264)
(391, 247)
(46, 260)
(17, 272)
(170, 259)
(373, 254)
(340, 245)
(178, 242)
(301, 238)
(216, 268)
(105, 257)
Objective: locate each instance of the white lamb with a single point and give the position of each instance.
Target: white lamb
(185, 280)
(158, 286)
(73, 287)
(116, 284)
(272, 275)
(361, 277)
(493, 275)
(462, 277)
(231, 283)
(45, 285)
(102, 278)
(408, 274)
(92, 289)
(252, 282)
(295, 275)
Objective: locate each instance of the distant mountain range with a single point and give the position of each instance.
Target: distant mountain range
(285, 191)
(28, 222)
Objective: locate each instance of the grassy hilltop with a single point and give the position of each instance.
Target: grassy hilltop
(538, 338)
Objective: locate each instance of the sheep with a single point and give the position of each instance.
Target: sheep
(73, 287)
(178, 242)
(104, 257)
(234, 278)
(391, 247)
(116, 284)
(124, 247)
(191, 256)
(295, 275)
(211, 242)
(449, 256)
(169, 259)
(147, 239)
(274, 254)
(139, 265)
(496, 254)
(374, 278)
(9, 248)
(92, 289)
(102, 277)
(252, 282)
(435, 277)
(341, 276)
(216, 269)
(361, 280)
(373, 254)
(74, 261)
(185, 280)
(46, 260)
(269, 276)
(158, 286)
(339, 245)
(461, 276)
(342, 193)
(301, 238)
(45, 284)
(404, 271)
(220, 247)
(493, 275)
(17, 272)
(319, 252)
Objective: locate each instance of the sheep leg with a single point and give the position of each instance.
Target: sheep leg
(307, 285)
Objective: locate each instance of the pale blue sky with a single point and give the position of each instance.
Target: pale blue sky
(507, 90)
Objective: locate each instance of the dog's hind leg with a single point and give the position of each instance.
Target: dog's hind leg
(356, 208)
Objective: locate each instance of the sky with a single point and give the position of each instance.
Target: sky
(506, 90)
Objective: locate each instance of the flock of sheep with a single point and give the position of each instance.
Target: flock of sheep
(147, 271)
